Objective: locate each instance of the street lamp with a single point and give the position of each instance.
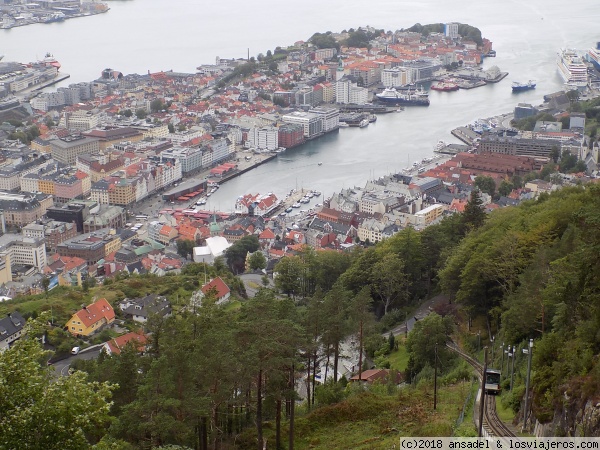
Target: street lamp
(492, 351)
(502, 360)
(528, 352)
(512, 372)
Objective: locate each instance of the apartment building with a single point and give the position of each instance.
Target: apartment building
(67, 149)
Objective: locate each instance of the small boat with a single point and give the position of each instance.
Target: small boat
(343, 125)
(372, 118)
(363, 123)
(319, 163)
(520, 87)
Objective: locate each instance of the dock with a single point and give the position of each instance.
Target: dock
(465, 134)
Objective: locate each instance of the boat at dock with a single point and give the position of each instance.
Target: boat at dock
(363, 123)
(343, 125)
(571, 68)
(418, 97)
(593, 56)
(445, 86)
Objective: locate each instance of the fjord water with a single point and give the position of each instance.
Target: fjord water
(140, 35)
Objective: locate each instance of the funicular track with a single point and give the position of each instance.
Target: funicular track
(491, 422)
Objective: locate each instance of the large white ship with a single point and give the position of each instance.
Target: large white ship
(571, 68)
(593, 55)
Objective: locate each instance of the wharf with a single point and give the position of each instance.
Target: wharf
(239, 172)
(293, 197)
(373, 109)
(452, 149)
(29, 93)
(464, 84)
(465, 134)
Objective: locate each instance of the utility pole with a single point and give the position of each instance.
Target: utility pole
(502, 360)
(512, 372)
(507, 351)
(478, 341)
(435, 380)
(492, 360)
(482, 398)
(529, 352)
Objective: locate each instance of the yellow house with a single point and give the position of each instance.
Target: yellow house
(91, 318)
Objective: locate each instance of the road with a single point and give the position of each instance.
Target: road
(251, 281)
(61, 368)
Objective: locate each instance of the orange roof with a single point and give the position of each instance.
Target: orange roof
(120, 342)
(219, 285)
(267, 234)
(95, 312)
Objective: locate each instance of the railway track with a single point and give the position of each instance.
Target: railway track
(491, 422)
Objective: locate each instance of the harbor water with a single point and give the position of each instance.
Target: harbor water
(137, 36)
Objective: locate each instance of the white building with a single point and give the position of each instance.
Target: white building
(215, 247)
(451, 30)
(330, 116)
(396, 76)
(347, 91)
(312, 123)
(265, 138)
(28, 251)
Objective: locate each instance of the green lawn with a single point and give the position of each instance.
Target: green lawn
(399, 358)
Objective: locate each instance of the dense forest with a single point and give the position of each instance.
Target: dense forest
(222, 376)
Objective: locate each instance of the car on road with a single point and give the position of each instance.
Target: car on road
(75, 350)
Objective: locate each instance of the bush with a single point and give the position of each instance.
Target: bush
(329, 393)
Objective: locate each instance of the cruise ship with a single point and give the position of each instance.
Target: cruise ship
(593, 56)
(571, 68)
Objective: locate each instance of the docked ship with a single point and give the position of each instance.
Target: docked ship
(445, 86)
(593, 56)
(519, 87)
(571, 68)
(418, 97)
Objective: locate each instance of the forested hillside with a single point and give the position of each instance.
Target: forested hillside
(533, 272)
(221, 376)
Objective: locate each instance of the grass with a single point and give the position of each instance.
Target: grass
(506, 414)
(399, 358)
(376, 420)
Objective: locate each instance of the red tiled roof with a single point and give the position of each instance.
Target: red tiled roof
(95, 312)
(219, 285)
(120, 342)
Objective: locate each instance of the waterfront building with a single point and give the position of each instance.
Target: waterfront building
(422, 69)
(265, 138)
(523, 110)
(312, 123)
(190, 158)
(396, 76)
(516, 145)
(290, 135)
(347, 91)
(331, 117)
(66, 150)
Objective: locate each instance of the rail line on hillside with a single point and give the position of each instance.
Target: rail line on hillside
(491, 422)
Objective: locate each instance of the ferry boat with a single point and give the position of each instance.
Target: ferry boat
(519, 87)
(418, 97)
(445, 86)
(571, 68)
(593, 56)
